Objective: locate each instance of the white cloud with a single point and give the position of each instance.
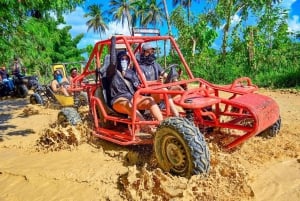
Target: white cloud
(78, 23)
(287, 3)
(293, 21)
(294, 24)
(235, 19)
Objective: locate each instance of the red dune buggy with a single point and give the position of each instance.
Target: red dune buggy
(179, 145)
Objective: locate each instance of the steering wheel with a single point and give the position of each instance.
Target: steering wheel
(174, 73)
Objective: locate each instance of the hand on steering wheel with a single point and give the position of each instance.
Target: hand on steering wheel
(174, 72)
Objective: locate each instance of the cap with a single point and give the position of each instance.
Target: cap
(148, 46)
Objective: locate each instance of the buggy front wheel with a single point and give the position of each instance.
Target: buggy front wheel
(68, 116)
(180, 148)
(36, 99)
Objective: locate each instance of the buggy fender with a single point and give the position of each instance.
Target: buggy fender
(264, 109)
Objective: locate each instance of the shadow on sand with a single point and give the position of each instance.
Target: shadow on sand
(7, 106)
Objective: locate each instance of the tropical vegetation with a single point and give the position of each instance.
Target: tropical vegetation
(266, 51)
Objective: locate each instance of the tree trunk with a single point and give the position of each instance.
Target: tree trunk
(194, 47)
(251, 50)
(226, 29)
(168, 18)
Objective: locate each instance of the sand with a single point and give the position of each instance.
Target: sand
(37, 163)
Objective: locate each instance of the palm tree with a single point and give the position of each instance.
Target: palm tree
(167, 17)
(185, 4)
(154, 14)
(121, 11)
(96, 21)
(139, 10)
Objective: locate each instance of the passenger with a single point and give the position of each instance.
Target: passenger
(73, 74)
(8, 82)
(59, 84)
(123, 86)
(153, 71)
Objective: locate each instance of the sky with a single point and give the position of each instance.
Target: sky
(78, 22)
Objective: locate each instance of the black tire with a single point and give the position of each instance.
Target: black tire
(36, 99)
(180, 148)
(273, 130)
(3, 91)
(22, 91)
(83, 99)
(68, 116)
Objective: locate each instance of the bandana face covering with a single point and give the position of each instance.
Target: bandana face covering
(59, 78)
(148, 60)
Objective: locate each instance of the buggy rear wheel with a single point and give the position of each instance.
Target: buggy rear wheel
(36, 99)
(273, 130)
(180, 148)
(68, 116)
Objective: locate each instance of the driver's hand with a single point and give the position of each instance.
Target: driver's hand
(161, 78)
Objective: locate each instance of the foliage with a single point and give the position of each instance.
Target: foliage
(30, 31)
(266, 51)
(195, 34)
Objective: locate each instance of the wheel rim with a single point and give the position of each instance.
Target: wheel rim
(175, 154)
(33, 100)
(62, 120)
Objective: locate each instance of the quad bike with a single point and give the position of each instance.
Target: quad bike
(31, 81)
(179, 145)
(19, 90)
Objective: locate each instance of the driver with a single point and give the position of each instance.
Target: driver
(153, 71)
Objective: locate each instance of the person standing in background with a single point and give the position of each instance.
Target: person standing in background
(17, 67)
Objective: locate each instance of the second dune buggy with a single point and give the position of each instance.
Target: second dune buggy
(44, 95)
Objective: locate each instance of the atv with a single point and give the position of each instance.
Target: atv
(19, 90)
(179, 145)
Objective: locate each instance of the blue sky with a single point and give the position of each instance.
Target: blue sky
(77, 21)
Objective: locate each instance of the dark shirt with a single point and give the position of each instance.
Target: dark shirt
(123, 86)
(152, 71)
(16, 69)
(3, 74)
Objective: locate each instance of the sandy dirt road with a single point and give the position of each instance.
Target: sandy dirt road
(260, 169)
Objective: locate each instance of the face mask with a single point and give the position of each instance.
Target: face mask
(124, 65)
(148, 60)
(59, 78)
